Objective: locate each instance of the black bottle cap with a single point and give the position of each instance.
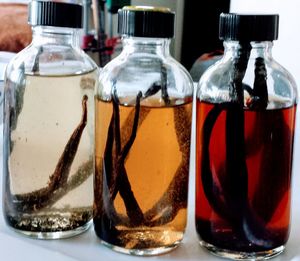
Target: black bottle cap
(146, 21)
(244, 27)
(58, 14)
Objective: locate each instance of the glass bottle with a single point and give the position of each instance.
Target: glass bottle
(143, 125)
(246, 105)
(48, 127)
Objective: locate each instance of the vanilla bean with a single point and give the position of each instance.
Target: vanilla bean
(33, 201)
(116, 140)
(103, 204)
(224, 200)
(154, 88)
(82, 174)
(133, 210)
(259, 95)
(164, 84)
(246, 223)
(115, 172)
(36, 62)
(229, 199)
(235, 185)
(114, 162)
(105, 168)
(132, 137)
(211, 189)
(161, 85)
(107, 165)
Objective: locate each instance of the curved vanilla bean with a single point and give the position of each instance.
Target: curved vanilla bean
(212, 191)
(126, 133)
(103, 205)
(82, 174)
(133, 209)
(106, 169)
(246, 222)
(38, 199)
(161, 85)
(114, 159)
(116, 141)
(154, 88)
(132, 137)
(128, 123)
(229, 199)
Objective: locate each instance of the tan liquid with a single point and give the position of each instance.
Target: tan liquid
(51, 110)
(157, 167)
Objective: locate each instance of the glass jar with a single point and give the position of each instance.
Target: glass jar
(246, 105)
(143, 125)
(48, 127)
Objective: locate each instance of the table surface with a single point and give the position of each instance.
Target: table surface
(86, 246)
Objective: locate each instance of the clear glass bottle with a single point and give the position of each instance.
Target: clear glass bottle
(143, 125)
(246, 105)
(48, 127)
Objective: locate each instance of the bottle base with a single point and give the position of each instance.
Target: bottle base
(237, 255)
(142, 252)
(55, 235)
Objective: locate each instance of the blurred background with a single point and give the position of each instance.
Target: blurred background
(196, 26)
(196, 44)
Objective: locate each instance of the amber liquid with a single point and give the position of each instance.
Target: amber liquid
(248, 214)
(157, 168)
(49, 109)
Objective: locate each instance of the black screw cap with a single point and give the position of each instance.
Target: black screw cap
(246, 27)
(58, 14)
(146, 21)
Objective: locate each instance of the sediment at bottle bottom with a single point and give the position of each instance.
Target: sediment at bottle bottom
(141, 240)
(50, 221)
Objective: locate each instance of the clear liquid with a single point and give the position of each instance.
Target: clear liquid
(50, 110)
(157, 167)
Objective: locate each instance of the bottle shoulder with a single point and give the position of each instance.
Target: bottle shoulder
(51, 60)
(142, 63)
(130, 74)
(217, 81)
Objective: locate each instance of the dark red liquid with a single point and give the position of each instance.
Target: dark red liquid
(243, 176)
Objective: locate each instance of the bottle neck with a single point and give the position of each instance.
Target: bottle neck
(55, 35)
(258, 49)
(157, 46)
